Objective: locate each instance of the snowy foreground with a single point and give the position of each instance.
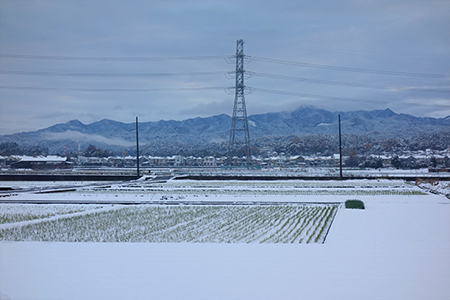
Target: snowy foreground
(397, 248)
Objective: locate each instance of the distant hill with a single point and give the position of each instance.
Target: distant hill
(113, 135)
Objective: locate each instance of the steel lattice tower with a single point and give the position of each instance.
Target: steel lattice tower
(239, 144)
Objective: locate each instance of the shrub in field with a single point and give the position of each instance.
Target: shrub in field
(354, 204)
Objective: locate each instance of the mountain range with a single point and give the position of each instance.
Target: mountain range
(109, 134)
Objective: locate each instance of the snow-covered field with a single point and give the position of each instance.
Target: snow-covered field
(307, 223)
(397, 248)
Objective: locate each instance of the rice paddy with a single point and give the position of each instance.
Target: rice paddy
(307, 223)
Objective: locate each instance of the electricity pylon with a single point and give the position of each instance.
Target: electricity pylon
(239, 144)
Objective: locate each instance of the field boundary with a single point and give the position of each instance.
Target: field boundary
(444, 177)
(109, 177)
(331, 223)
(159, 202)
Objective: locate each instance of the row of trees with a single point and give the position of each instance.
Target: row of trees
(355, 160)
(355, 146)
(363, 145)
(12, 148)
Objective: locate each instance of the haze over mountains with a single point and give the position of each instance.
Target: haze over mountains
(378, 124)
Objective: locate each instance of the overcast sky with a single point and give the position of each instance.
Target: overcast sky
(91, 60)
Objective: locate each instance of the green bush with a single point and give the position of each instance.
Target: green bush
(354, 204)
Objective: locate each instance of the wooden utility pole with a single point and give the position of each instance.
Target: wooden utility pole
(340, 148)
(137, 148)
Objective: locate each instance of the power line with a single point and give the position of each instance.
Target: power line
(266, 75)
(349, 84)
(270, 91)
(248, 88)
(211, 57)
(295, 94)
(110, 58)
(107, 89)
(106, 74)
(350, 69)
(352, 52)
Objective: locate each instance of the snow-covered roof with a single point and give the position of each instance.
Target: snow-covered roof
(296, 157)
(50, 158)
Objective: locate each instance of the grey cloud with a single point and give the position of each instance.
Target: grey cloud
(78, 136)
(397, 35)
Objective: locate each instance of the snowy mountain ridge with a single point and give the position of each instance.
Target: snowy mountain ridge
(382, 124)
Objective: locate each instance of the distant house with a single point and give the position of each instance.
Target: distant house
(209, 161)
(42, 163)
(179, 161)
(174, 161)
(297, 161)
(6, 161)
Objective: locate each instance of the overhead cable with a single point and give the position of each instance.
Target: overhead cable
(350, 84)
(247, 88)
(111, 58)
(209, 57)
(107, 74)
(350, 69)
(295, 94)
(107, 89)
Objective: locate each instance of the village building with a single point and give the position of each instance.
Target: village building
(42, 163)
(209, 161)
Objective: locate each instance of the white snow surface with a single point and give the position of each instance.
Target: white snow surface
(397, 248)
(439, 187)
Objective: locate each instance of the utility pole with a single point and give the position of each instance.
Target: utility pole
(340, 148)
(239, 142)
(137, 148)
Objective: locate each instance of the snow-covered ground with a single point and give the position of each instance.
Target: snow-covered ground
(397, 248)
(312, 172)
(437, 187)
